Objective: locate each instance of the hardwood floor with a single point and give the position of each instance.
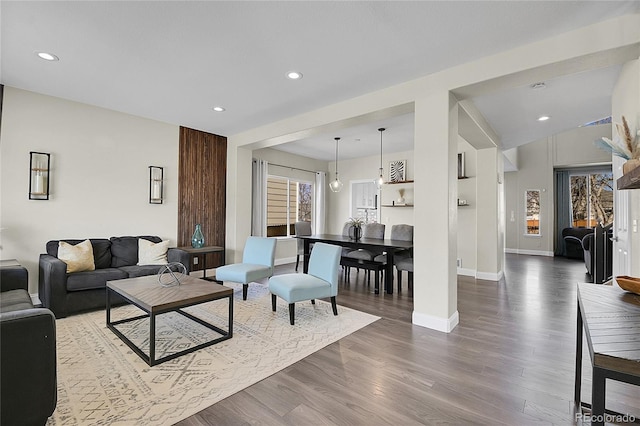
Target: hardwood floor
(509, 361)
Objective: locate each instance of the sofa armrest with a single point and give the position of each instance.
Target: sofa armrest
(14, 278)
(28, 367)
(52, 284)
(177, 255)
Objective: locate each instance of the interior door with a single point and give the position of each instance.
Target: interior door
(621, 223)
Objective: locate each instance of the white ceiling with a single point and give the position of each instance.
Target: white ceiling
(174, 61)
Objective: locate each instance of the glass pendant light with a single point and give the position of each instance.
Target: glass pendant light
(336, 185)
(380, 181)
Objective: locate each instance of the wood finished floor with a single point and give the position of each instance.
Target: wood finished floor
(509, 361)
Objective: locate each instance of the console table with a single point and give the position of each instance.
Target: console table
(610, 318)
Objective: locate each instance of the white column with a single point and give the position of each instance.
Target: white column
(238, 221)
(490, 242)
(436, 212)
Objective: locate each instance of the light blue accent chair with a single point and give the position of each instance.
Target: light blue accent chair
(257, 263)
(320, 282)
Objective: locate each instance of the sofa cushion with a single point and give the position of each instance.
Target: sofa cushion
(78, 257)
(124, 250)
(94, 279)
(152, 253)
(15, 300)
(101, 250)
(140, 271)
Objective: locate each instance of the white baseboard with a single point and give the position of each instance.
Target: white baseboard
(35, 300)
(467, 272)
(490, 276)
(436, 323)
(530, 252)
(285, 260)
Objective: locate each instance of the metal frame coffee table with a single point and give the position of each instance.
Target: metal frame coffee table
(148, 295)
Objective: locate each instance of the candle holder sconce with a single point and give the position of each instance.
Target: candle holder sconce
(39, 167)
(156, 185)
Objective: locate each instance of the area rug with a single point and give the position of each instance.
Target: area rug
(101, 381)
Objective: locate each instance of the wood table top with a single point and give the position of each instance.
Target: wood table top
(150, 295)
(611, 318)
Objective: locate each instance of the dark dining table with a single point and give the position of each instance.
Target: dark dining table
(375, 244)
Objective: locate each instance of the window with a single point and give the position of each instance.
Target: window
(288, 201)
(532, 207)
(591, 199)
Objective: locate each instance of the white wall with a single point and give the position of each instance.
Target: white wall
(536, 161)
(467, 220)
(366, 168)
(99, 175)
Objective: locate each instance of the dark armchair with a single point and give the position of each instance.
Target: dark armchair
(28, 381)
(573, 241)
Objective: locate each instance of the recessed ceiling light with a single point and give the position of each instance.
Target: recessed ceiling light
(48, 56)
(294, 75)
(543, 118)
(218, 109)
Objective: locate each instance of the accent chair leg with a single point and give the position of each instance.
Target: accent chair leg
(245, 287)
(273, 302)
(313, 301)
(333, 305)
(297, 262)
(411, 281)
(292, 313)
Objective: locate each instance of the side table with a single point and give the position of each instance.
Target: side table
(195, 252)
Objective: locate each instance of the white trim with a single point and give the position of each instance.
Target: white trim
(35, 300)
(436, 323)
(286, 260)
(467, 272)
(490, 276)
(530, 252)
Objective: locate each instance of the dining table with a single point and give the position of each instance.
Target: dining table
(373, 244)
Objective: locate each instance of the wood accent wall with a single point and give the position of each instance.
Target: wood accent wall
(202, 188)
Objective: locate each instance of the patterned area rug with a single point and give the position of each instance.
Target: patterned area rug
(101, 381)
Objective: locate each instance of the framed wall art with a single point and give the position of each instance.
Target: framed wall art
(398, 171)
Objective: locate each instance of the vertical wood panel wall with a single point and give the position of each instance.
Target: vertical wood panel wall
(202, 183)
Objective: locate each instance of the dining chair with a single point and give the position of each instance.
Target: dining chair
(321, 281)
(366, 257)
(302, 228)
(257, 263)
(400, 232)
(405, 264)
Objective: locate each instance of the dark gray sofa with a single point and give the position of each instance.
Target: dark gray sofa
(28, 384)
(114, 258)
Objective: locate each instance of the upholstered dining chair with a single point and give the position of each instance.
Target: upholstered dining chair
(401, 232)
(302, 228)
(370, 230)
(320, 282)
(257, 263)
(405, 264)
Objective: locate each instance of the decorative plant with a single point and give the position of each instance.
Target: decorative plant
(623, 145)
(356, 222)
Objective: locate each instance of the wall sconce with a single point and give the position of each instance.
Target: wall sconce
(156, 184)
(39, 166)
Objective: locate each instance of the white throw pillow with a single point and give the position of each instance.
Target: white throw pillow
(152, 253)
(78, 258)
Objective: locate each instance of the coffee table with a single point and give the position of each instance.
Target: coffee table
(147, 294)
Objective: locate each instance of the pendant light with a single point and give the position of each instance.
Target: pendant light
(380, 181)
(336, 185)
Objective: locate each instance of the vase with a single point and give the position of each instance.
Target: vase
(355, 232)
(197, 241)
